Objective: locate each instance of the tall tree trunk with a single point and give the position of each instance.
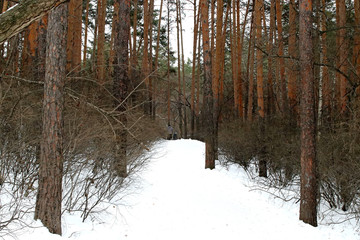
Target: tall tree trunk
(259, 5)
(100, 63)
(240, 43)
(292, 86)
(133, 59)
(183, 74)
(179, 104)
(343, 52)
(86, 32)
(193, 75)
(309, 184)
(94, 50)
(207, 88)
(158, 38)
(76, 57)
(356, 61)
(234, 57)
(156, 61)
(281, 60)
(168, 64)
(115, 21)
(270, 49)
(48, 202)
(259, 59)
(70, 35)
(326, 89)
(250, 71)
(151, 82)
(121, 81)
(145, 61)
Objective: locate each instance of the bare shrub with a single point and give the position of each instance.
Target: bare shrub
(89, 167)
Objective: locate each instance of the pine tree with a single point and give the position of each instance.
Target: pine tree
(309, 181)
(48, 201)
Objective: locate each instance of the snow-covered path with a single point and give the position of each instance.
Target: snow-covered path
(180, 200)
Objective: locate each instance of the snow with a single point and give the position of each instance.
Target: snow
(179, 199)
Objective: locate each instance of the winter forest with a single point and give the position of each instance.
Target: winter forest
(89, 87)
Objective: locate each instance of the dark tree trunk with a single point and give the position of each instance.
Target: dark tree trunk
(309, 184)
(48, 202)
(121, 82)
(208, 120)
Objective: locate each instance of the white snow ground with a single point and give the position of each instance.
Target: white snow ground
(179, 199)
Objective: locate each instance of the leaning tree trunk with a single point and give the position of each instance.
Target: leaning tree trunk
(48, 202)
(14, 20)
(309, 184)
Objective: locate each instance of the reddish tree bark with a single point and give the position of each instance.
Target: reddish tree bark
(326, 89)
(292, 83)
(343, 52)
(309, 184)
(281, 60)
(48, 202)
(357, 38)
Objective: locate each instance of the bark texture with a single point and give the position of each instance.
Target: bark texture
(22, 15)
(48, 203)
(207, 88)
(121, 81)
(309, 184)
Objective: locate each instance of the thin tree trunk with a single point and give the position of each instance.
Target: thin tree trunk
(48, 202)
(207, 88)
(151, 83)
(292, 88)
(157, 59)
(145, 61)
(260, 84)
(121, 81)
(158, 38)
(234, 57)
(357, 38)
(70, 35)
(133, 59)
(198, 73)
(179, 68)
(193, 77)
(342, 48)
(309, 184)
(86, 32)
(270, 48)
(113, 33)
(259, 59)
(76, 57)
(168, 64)
(240, 43)
(100, 63)
(250, 73)
(281, 57)
(326, 89)
(183, 74)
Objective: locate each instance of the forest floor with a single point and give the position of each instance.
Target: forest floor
(175, 198)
